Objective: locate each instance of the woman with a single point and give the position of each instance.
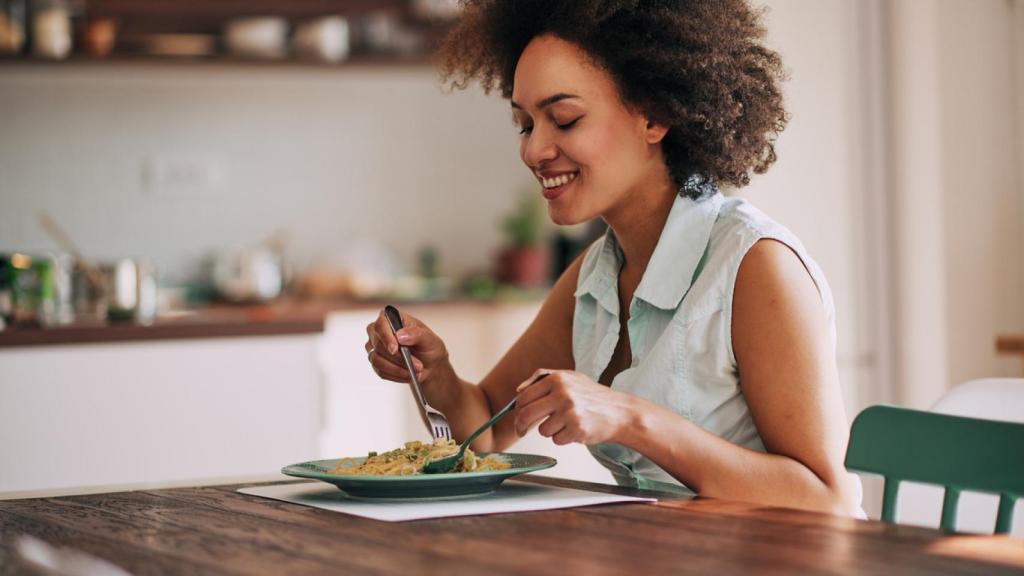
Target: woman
(692, 347)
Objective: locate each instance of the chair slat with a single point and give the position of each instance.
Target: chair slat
(950, 500)
(892, 489)
(1004, 520)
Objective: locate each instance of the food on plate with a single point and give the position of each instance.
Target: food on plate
(413, 457)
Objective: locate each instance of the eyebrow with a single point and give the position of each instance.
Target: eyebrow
(548, 101)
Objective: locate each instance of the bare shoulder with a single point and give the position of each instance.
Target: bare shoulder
(772, 272)
(775, 303)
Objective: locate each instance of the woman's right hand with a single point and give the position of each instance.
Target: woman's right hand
(429, 354)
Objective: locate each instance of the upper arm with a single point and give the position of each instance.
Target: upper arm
(786, 360)
(546, 343)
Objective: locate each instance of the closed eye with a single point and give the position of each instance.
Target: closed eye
(528, 129)
(568, 125)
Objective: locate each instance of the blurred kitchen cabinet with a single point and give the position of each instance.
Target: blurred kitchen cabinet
(197, 9)
(148, 412)
(364, 413)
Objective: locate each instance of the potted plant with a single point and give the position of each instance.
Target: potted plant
(525, 259)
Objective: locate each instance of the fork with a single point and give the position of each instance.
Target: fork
(435, 421)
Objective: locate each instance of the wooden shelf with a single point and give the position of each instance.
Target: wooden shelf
(356, 61)
(139, 20)
(1010, 344)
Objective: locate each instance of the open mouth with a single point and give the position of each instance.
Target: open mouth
(554, 187)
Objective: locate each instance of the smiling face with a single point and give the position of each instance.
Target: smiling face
(590, 152)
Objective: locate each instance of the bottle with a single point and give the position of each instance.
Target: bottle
(51, 29)
(6, 291)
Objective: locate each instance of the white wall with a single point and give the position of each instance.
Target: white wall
(330, 155)
(983, 241)
(956, 190)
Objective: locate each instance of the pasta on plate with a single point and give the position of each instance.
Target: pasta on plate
(413, 457)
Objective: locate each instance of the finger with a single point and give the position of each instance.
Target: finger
(529, 415)
(537, 391)
(538, 375)
(565, 436)
(385, 335)
(553, 425)
(370, 336)
(412, 336)
(373, 341)
(387, 369)
(398, 361)
(392, 365)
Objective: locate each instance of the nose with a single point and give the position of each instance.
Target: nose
(538, 148)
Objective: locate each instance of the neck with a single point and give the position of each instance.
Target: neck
(639, 220)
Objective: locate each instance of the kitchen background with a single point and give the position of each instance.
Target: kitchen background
(900, 171)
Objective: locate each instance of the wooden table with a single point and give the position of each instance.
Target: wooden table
(215, 530)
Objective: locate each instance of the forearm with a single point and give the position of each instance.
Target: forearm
(716, 468)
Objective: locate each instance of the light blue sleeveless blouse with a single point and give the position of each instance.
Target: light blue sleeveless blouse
(679, 324)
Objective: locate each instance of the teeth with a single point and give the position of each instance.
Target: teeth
(558, 180)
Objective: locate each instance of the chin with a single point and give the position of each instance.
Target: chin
(562, 216)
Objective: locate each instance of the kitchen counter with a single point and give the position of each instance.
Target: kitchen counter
(216, 530)
(285, 317)
(201, 403)
(216, 322)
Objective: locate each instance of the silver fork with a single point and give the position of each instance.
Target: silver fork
(433, 419)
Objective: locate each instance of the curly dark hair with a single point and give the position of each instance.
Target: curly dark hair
(698, 67)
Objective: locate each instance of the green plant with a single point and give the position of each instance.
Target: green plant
(524, 226)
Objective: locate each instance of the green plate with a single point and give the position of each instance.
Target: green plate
(420, 486)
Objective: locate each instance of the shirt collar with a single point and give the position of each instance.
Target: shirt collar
(680, 249)
(673, 265)
(603, 280)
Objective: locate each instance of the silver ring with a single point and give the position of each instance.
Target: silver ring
(370, 351)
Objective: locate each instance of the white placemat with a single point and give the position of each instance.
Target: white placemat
(511, 496)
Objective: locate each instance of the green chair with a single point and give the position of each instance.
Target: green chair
(952, 451)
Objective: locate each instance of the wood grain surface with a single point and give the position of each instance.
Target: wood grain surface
(215, 530)
(1010, 344)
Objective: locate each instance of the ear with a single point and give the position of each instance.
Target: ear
(654, 132)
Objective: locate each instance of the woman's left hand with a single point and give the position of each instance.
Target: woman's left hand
(571, 407)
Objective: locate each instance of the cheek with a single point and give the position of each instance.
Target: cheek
(605, 151)
(592, 148)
